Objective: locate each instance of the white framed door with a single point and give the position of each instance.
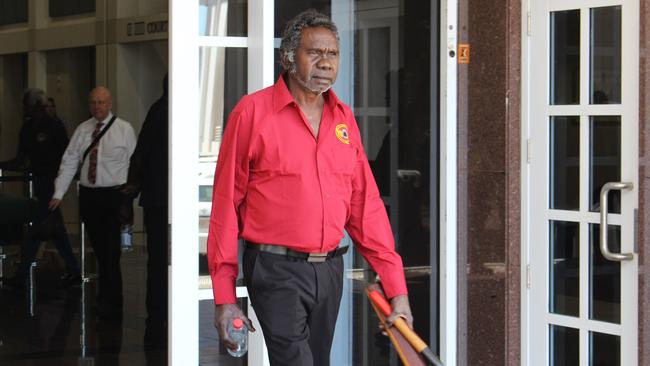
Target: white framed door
(580, 303)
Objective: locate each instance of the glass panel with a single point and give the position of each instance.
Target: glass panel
(223, 81)
(564, 344)
(63, 8)
(604, 160)
(211, 352)
(392, 91)
(285, 10)
(565, 57)
(15, 11)
(604, 276)
(564, 191)
(223, 18)
(379, 68)
(376, 133)
(605, 57)
(604, 349)
(564, 269)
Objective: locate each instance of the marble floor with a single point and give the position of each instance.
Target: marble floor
(58, 326)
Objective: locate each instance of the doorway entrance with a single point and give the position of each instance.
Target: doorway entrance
(389, 76)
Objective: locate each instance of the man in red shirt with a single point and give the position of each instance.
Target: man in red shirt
(292, 174)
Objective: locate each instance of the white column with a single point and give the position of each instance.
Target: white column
(448, 182)
(183, 189)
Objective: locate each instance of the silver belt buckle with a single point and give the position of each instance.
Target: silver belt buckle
(317, 257)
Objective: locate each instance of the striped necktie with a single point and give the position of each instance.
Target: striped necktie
(92, 157)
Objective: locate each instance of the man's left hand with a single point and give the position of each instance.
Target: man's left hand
(401, 309)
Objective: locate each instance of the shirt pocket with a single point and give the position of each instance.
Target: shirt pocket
(114, 150)
(342, 168)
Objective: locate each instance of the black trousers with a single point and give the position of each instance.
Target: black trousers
(43, 190)
(297, 303)
(155, 222)
(100, 209)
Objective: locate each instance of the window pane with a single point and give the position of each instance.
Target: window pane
(604, 160)
(223, 81)
(604, 276)
(565, 57)
(223, 18)
(379, 72)
(285, 10)
(564, 268)
(605, 349)
(605, 58)
(564, 193)
(13, 12)
(564, 344)
(62, 8)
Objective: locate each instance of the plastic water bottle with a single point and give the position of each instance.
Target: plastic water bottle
(238, 332)
(126, 235)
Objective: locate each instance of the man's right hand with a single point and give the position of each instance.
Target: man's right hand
(54, 204)
(224, 314)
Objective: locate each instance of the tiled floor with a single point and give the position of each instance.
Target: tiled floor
(55, 330)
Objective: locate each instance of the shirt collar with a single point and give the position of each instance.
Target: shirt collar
(105, 121)
(282, 96)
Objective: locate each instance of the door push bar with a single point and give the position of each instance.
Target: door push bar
(604, 245)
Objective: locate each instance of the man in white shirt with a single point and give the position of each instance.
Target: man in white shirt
(103, 171)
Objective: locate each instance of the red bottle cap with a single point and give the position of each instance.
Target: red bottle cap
(237, 323)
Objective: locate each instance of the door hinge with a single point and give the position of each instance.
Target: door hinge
(528, 276)
(528, 24)
(528, 151)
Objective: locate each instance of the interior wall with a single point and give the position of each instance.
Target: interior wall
(12, 85)
(69, 79)
(136, 84)
(140, 68)
(141, 7)
(70, 76)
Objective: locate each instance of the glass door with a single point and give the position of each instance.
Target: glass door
(222, 49)
(393, 84)
(582, 184)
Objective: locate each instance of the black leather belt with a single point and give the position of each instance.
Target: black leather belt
(282, 250)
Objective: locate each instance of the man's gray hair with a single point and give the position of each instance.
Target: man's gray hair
(292, 34)
(34, 97)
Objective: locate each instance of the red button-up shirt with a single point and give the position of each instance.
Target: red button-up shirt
(277, 183)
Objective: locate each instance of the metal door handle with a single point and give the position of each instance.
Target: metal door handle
(409, 175)
(604, 245)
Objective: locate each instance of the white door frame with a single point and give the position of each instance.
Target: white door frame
(448, 182)
(534, 174)
(184, 165)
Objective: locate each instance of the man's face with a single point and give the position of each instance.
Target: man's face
(316, 60)
(50, 109)
(99, 103)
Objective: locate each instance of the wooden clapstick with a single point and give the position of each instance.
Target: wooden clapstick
(380, 303)
(407, 354)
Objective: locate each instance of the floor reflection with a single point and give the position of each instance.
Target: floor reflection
(64, 329)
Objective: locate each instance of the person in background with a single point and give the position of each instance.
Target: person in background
(148, 176)
(103, 171)
(291, 175)
(41, 144)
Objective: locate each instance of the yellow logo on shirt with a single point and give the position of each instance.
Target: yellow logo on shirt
(342, 133)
